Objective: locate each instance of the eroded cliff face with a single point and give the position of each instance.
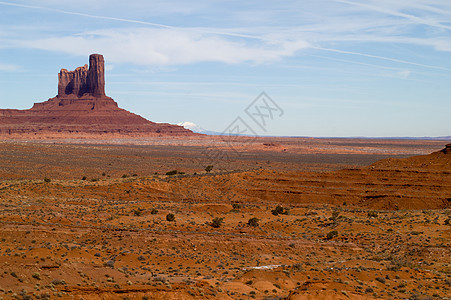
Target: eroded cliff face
(96, 75)
(83, 80)
(82, 107)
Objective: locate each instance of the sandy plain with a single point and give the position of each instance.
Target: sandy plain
(87, 219)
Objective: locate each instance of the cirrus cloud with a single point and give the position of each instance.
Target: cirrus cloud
(152, 46)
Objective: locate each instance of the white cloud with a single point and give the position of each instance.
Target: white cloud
(9, 67)
(395, 9)
(404, 74)
(152, 46)
(332, 25)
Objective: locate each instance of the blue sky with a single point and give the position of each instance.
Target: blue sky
(335, 67)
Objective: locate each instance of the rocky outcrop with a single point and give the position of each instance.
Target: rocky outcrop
(82, 107)
(82, 80)
(72, 82)
(447, 149)
(96, 75)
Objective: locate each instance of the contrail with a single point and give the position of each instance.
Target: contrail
(133, 21)
(383, 58)
(245, 35)
(415, 19)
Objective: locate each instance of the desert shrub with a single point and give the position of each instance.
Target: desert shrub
(331, 234)
(174, 172)
(208, 168)
(236, 206)
(380, 279)
(170, 217)
(154, 211)
(279, 210)
(372, 214)
(84, 178)
(447, 222)
(217, 222)
(47, 179)
(124, 176)
(335, 215)
(297, 267)
(109, 263)
(36, 276)
(137, 212)
(58, 282)
(253, 222)
(397, 262)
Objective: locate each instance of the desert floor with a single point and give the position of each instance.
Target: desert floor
(275, 218)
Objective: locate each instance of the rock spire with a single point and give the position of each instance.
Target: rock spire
(83, 80)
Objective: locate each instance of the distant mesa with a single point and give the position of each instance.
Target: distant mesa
(447, 149)
(81, 108)
(439, 161)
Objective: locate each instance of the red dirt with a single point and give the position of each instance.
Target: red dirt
(108, 238)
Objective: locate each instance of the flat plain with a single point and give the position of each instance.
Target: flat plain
(275, 218)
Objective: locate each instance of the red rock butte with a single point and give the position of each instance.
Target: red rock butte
(81, 108)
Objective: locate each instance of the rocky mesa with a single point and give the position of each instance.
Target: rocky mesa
(81, 108)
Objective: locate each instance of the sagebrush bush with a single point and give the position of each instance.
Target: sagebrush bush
(170, 217)
(279, 210)
(330, 235)
(217, 222)
(253, 222)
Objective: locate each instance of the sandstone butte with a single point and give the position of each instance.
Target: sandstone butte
(81, 108)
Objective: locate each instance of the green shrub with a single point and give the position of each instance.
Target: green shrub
(279, 210)
(170, 217)
(174, 172)
(330, 235)
(217, 222)
(253, 222)
(335, 215)
(372, 214)
(380, 279)
(236, 206)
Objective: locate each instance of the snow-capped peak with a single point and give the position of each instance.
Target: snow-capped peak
(192, 126)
